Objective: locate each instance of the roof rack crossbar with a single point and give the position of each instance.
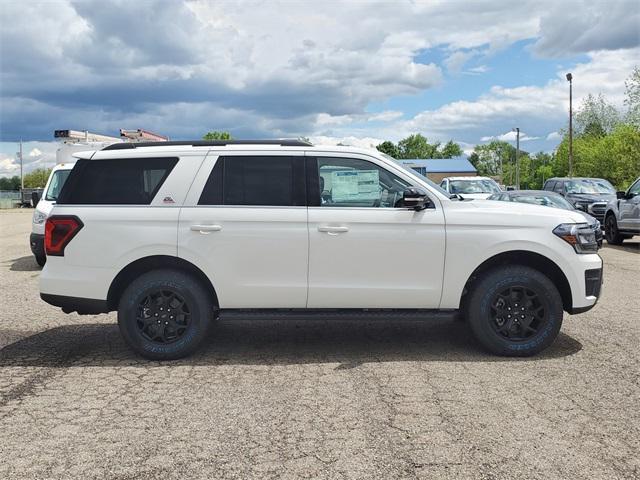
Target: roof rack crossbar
(208, 143)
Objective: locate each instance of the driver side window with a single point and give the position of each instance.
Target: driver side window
(351, 182)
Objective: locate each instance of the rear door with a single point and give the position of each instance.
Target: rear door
(245, 225)
(366, 251)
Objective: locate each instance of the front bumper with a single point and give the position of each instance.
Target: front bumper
(36, 241)
(590, 287)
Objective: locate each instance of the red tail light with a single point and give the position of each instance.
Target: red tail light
(58, 232)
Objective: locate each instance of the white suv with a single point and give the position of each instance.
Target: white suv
(171, 235)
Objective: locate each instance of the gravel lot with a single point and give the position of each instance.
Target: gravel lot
(315, 399)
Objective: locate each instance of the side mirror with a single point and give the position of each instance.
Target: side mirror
(510, 188)
(621, 195)
(415, 198)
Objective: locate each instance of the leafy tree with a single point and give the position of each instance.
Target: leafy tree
(389, 148)
(216, 135)
(10, 183)
(493, 159)
(596, 117)
(417, 146)
(37, 178)
(451, 149)
(632, 100)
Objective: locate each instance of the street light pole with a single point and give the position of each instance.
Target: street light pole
(517, 130)
(570, 80)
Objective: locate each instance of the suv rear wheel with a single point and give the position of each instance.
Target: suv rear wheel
(515, 311)
(165, 314)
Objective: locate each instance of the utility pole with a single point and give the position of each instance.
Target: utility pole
(570, 80)
(517, 130)
(21, 176)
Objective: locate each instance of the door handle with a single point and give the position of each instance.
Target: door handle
(333, 230)
(206, 229)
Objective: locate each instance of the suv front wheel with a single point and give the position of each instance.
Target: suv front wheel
(165, 314)
(611, 232)
(515, 311)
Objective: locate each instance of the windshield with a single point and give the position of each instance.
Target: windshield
(473, 186)
(555, 201)
(55, 185)
(591, 186)
(422, 177)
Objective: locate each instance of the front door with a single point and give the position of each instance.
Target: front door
(365, 249)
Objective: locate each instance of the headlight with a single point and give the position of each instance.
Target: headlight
(38, 217)
(580, 236)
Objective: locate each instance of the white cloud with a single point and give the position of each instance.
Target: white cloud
(509, 136)
(527, 106)
(35, 152)
(553, 136)
(8, 166)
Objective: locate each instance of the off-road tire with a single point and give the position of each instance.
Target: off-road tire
(159, 285)
(481, 311)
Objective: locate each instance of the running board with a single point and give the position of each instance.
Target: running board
(336, 314)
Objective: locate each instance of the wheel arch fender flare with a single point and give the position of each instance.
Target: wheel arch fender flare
(527, 258)
(146, 264)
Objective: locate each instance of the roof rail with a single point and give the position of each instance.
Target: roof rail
(209, 143)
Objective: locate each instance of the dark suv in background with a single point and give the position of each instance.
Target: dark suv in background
(590, 195)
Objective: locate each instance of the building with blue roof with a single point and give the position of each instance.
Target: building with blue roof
(438, 168)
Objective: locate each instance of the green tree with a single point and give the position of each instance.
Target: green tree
(596, 117)
(632, 98)
(494, 159)
(37, 178)
(450, 150)
(416, 146)
(217, 135)
(10, 183)
(389, 148)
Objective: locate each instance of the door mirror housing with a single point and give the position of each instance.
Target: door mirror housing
(415, 198)
(621, 195)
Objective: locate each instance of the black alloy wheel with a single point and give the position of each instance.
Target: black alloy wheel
(517, 313)
(163, 317)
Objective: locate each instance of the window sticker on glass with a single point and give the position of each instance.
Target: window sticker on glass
(355, 185)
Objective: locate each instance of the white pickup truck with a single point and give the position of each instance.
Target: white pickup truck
(173, 234)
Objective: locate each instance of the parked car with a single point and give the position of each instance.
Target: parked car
(171, 235)
(589, 194)
(52, 189)
(471, 187)
(622, 218)
(548, 199)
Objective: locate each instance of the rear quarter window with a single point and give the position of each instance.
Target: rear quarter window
(122, 181)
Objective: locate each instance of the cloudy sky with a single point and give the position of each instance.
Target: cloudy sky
(354, 71)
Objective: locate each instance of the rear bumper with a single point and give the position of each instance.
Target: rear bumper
(83, 306)
(36, 242)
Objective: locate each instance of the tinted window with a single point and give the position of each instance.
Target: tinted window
(58, 178)
(350, 182)
(559, 187)
(549, 185)
(124, 181)
(265, 181)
